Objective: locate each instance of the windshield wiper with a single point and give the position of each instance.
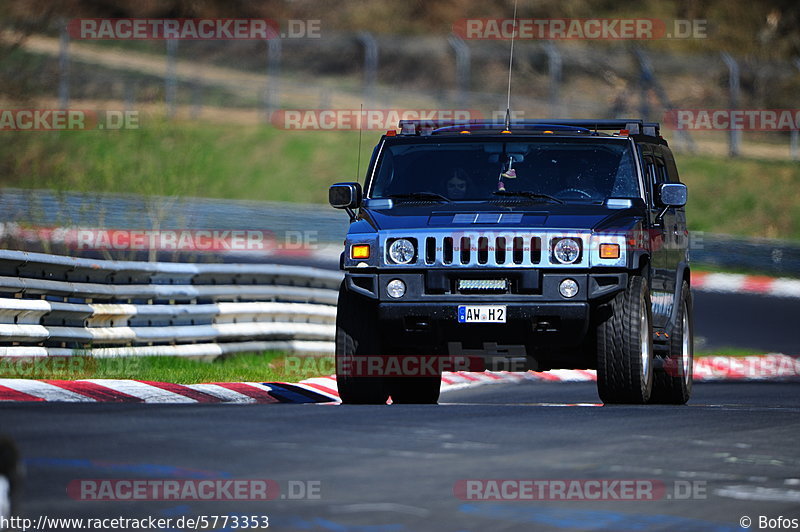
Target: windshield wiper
(420, 196)
(528, 194)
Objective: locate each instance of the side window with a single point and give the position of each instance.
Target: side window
(672, 169)
(650, 168)
(661, 172)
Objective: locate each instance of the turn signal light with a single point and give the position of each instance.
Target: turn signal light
(360, 251)
(609, 251)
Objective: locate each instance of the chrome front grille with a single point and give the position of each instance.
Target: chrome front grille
(483, 250)
(506, 249)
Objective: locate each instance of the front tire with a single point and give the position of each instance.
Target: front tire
(673, 383)
(625, 347)
(415, 390)
(357, 341)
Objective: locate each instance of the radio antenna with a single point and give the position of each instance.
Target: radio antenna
(360, 130)
(510, 62)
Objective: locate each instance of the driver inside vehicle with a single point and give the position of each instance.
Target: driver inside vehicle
(581, 182)
(458, 185)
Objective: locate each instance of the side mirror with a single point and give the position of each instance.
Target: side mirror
(672, 194)
(345, 196)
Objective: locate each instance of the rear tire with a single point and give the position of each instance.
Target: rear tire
(356, 340)
(625, 347)
(672, 384)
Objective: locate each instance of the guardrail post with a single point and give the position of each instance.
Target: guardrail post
(554, 67)
(197, 99)
(645, 78)
(272, 100)
(370, 66)
(63, 67)
(130, 94)
(793, 141)
(649, 81)
(463, 60)
(171, 82)
(735, 135)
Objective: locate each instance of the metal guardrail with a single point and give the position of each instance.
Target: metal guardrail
(769, 257)
(44, 208)
(57, 305)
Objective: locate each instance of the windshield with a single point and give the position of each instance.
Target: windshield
(578, 170)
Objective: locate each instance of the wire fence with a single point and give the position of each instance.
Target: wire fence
(337, 70)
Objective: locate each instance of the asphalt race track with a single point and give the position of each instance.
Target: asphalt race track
(747, 321)
(733, 452)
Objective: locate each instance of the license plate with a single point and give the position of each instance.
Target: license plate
(481, 314)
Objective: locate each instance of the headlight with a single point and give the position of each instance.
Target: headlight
(566, 251)
(568, 288)
(401, 251)
(396, 288)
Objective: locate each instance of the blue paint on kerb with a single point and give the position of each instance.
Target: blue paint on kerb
(143, 469)
(593, 519)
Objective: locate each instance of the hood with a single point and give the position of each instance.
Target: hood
(572, 216)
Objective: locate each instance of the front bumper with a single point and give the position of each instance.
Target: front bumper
(537, 315)
(524, 286)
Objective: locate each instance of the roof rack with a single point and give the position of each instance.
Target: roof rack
(634, 126)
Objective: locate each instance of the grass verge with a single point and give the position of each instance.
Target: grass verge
(182, 159)
(245, 367)
(746, 197)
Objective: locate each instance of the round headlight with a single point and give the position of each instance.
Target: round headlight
(401, 251)
(566, 251)
(568, 288)
(396, 288)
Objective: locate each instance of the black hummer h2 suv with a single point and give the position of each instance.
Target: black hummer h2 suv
(558, 244)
